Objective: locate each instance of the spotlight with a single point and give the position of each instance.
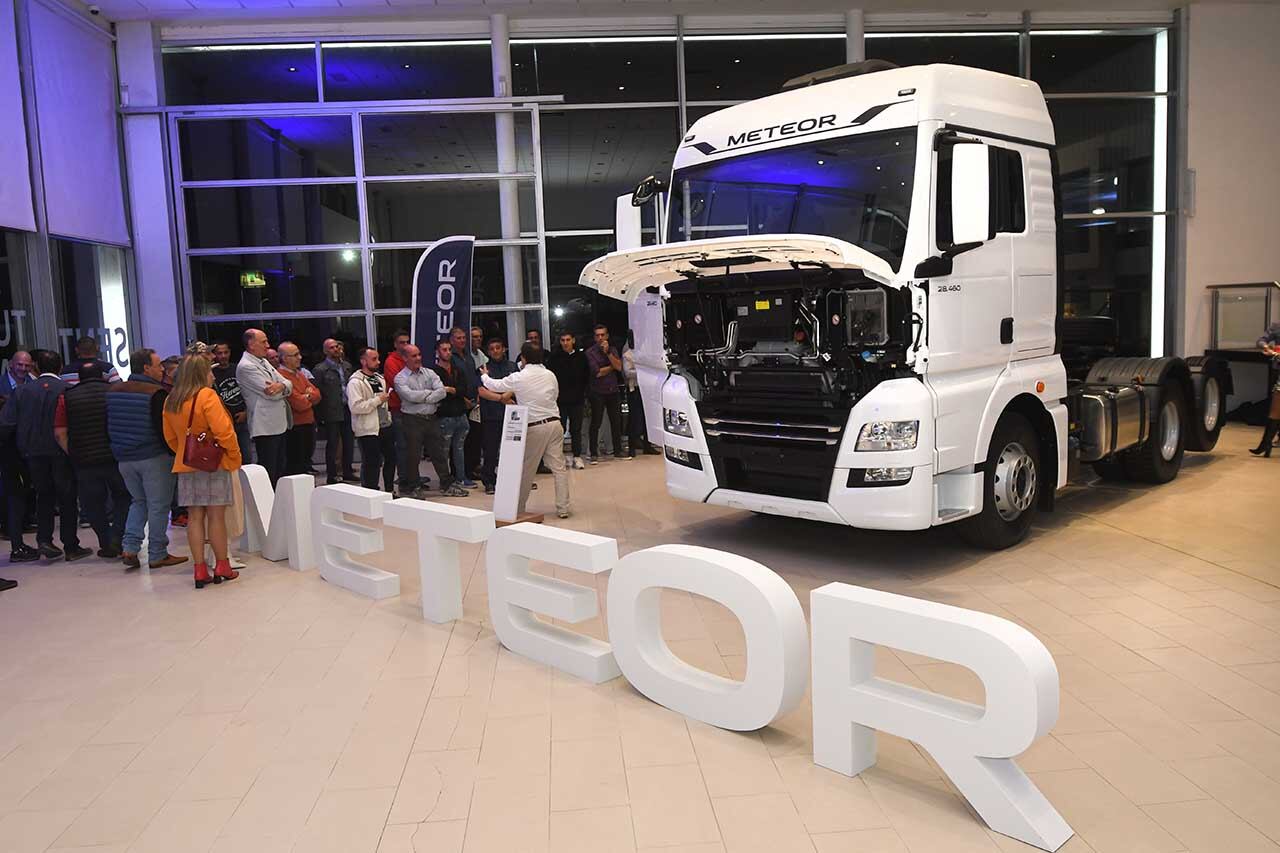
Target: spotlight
(349, 255)
(558, 311)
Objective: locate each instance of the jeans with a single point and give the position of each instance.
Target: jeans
(272, 452)
(600, 403)
(424, 431)
(492, 438)
(474, 446)
(338, 431)
(100, 485)
(571, 422)
(455, 436)
(299, 448)
(246, 443)
(55, 484)
(150, 483)
(378, 454)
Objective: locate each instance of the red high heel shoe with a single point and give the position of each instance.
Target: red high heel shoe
(202, 575)
(223, 572)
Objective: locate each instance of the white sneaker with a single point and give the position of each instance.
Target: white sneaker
(562, 513)
(593, 460)
(578, 463)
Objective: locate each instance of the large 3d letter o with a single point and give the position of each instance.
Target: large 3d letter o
(771, 617)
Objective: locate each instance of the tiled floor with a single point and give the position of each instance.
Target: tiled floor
(279, 713)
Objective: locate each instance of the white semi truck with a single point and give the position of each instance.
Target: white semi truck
(862, 316)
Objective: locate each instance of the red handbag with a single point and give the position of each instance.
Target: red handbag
(202, 451)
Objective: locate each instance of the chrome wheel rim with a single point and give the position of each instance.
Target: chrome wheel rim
(1015, 485)
(1170, 430)
(1212, 404)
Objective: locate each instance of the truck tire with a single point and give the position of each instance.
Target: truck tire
(1211, 379)
(1160, 457)
(1010, 485)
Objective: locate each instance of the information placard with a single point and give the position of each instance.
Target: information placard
(506, 499)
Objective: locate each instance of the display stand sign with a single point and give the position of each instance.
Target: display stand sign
(506, 498)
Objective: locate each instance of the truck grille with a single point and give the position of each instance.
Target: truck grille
(817, 434)
(792, 457)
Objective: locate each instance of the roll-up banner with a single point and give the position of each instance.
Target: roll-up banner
(442, 291)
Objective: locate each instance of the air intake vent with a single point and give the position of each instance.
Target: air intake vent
(838, 72)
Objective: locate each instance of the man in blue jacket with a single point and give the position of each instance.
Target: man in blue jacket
(30, 412)
(136, 426)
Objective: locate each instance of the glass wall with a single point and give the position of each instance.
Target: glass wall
(1108, 97)
(89, 299)
(311, 225)
(16, 330)
(327, 214)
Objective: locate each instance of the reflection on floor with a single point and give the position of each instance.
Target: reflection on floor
(278, 713)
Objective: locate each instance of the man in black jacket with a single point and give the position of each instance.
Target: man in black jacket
(30, 413)
(332, 413)
(228, 388)
(569, 364)
(80, 426)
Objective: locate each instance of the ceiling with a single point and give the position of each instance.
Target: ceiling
(299, 10)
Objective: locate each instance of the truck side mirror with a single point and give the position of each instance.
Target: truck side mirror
(646, 190)
(970, 193)
(626, 224)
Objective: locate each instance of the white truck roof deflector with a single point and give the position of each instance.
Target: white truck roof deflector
(625, 275)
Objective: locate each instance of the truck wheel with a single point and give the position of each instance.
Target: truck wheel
(1158, 460)
(1011, 483)
(1211, 379)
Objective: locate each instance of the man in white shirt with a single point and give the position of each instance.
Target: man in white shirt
(536, 388)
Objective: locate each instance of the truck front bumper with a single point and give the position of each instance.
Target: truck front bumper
(907, 506)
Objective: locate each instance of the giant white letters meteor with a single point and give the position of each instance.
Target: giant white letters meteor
(974, 746)
(777, 643)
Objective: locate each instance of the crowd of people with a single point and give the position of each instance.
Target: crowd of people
(78, 442)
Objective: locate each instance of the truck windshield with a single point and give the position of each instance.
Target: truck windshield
(853, 188)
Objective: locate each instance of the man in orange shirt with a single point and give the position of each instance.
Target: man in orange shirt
(393, 365)
(301, 441)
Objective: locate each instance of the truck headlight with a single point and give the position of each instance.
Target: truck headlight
(888, 435)
(676, 423)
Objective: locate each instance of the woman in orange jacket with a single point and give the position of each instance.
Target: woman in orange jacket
(193, 407)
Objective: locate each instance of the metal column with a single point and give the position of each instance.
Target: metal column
(508, 190)
(855, 48)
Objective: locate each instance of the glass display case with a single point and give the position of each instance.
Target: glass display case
(1242, 313)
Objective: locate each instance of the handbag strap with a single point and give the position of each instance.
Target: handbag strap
(192, 416)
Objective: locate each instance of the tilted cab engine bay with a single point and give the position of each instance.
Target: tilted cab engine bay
(774, 361)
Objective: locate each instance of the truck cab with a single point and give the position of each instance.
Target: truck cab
(860, 300)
